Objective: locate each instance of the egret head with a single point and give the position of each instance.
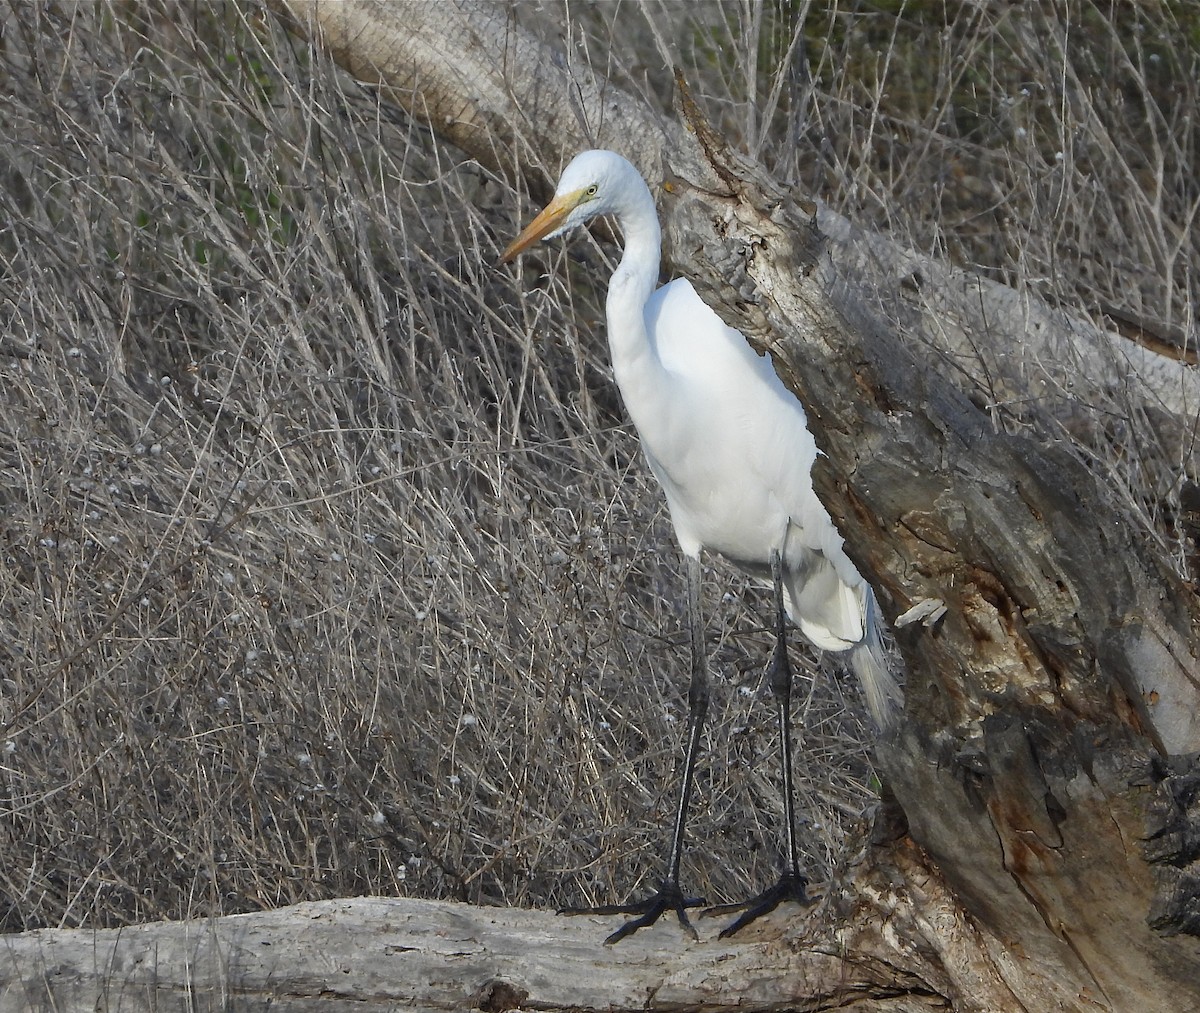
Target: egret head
(595, 183)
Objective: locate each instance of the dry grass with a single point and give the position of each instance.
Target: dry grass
(330, 563)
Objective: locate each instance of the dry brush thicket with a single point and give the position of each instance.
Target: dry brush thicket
(330, 563)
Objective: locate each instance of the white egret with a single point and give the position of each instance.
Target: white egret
(730, 445)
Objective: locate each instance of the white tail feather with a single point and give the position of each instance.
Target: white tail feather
(869, 661)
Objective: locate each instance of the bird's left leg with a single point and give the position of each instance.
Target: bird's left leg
(792, 881)
(670, 896)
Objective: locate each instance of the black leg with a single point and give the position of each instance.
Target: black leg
(792, 882)
(669, 896)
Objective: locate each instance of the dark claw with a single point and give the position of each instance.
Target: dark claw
(668, 898)
(789, 888)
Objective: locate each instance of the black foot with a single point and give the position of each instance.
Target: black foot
(668, 898)
(790, 887)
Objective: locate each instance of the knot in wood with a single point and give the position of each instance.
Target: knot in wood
(497, 995)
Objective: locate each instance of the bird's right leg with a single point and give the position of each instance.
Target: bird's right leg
(792, 882)
(669, 896)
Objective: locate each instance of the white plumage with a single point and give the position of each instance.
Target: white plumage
(728, 442)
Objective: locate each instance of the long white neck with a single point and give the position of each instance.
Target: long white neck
(634, 359)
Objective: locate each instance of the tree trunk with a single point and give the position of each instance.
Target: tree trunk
(1038, 846)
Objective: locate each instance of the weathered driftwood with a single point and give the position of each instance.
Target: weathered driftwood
(372, 953)
(1038, 849)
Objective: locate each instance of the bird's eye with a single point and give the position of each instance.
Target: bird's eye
(592, 190)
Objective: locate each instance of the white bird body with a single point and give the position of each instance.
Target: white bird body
(732, 451)
(728, 442)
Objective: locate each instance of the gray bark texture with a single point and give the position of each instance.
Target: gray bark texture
(1038, 845)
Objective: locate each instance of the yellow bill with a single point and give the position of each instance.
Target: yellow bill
(551, 218)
